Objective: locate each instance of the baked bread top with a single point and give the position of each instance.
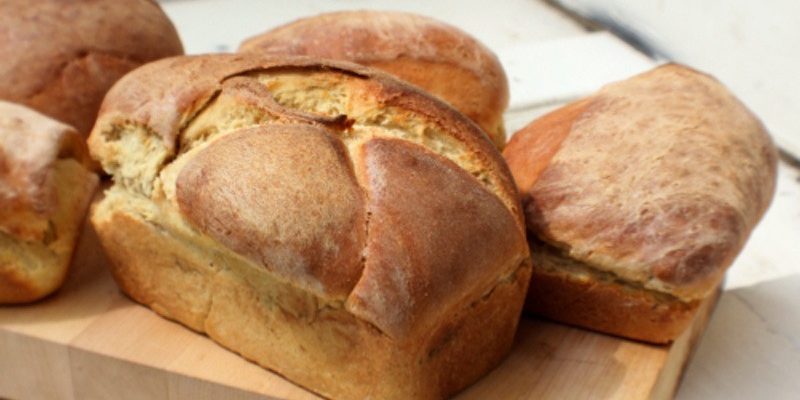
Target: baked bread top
(62, 56)
(30, 143)
(336, 178)
(440, 58)
(658, 179)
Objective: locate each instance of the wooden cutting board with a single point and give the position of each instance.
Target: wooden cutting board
(91, 342)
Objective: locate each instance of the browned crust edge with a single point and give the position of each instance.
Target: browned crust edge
(608, 307)
(15, 289)
(444, 45)
(532, 149)
(171, 101)
(433, 365)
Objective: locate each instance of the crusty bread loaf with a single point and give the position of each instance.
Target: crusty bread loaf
(440, 58)
(60, 57)
(325, 220)
(45, 188)
(638, 198)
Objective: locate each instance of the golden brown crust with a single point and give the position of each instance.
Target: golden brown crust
(660, 180)
(45, 188)
(277, 325)
(29, 145)
(435, 56)
(178, 91)
(531, 150)
(179, 88)
(301, 213)
(15, 288)
(32, 270)
(286, 197)
(595, 301)
(607, 307)
(427, 250)
(64, 55)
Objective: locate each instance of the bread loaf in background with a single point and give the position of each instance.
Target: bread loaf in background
(440, 58)
(61, 57)
(45, 189)
(638, 198)
(323, 219)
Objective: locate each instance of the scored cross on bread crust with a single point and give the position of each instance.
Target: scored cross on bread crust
(361, 197)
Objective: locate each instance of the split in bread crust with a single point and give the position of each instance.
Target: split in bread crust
(439, 58)
(323, 219)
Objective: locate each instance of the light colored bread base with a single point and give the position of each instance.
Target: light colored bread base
(181, 275)
(32, 270)
(568, 291)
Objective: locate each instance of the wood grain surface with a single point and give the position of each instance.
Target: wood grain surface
(89, 341)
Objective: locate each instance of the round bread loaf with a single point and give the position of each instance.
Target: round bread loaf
(61, 57)
(440, 58)
(45, 189)
(324, 219)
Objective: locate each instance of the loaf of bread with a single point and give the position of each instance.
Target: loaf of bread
(45, 188)
(322, 219)
(638, 198)
(60, 57)
(442, 59)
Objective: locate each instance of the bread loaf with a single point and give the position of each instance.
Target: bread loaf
(442, 59)
(638, 198)
(322, 219)
(60, 57)
(45, 188)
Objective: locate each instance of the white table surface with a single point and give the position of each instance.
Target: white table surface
(752, 46)
(752, 346)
